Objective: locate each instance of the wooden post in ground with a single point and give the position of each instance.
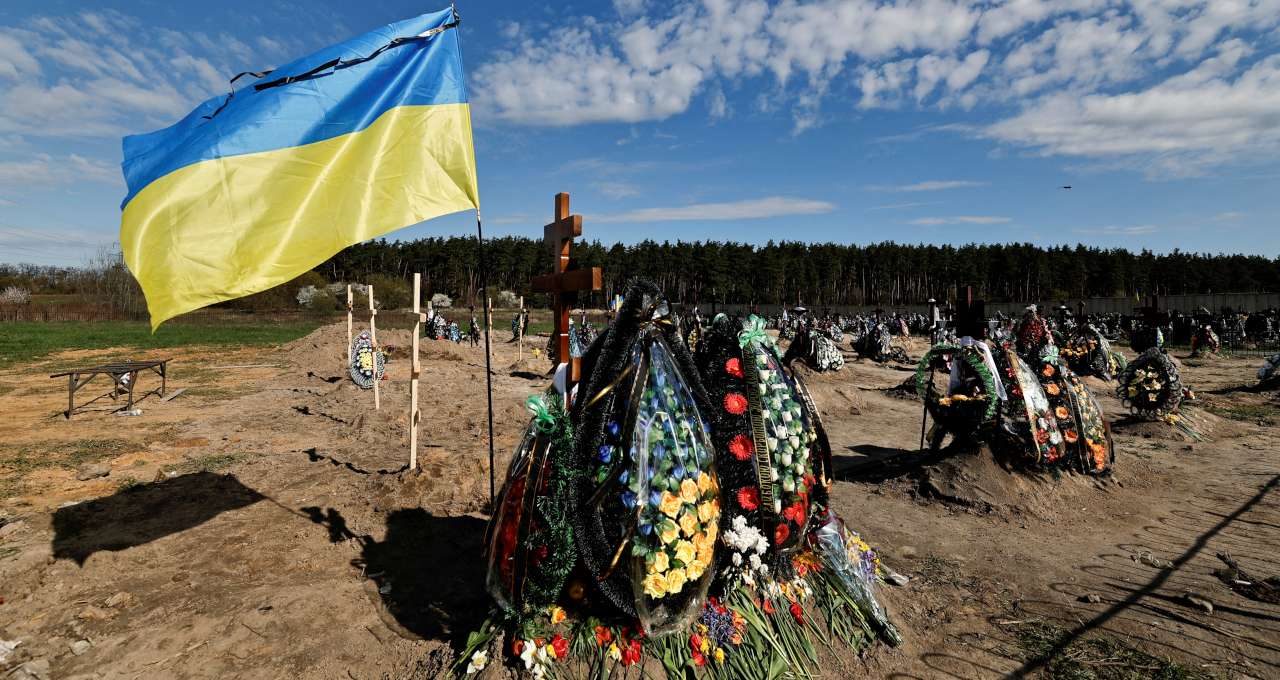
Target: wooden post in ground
(349, 300)
(564, 284)
(373, 336)
(418, 318)
(488, 328)
(520, 331)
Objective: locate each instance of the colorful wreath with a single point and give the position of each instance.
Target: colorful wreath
(368, 363)
(1150, 386)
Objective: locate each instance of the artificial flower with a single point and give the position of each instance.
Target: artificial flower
(655, 585)
(660, 562)
(749, 498)
(669, 504)
(689, 491)
(668, 532)
(719, 655)
(742, 447)
(797, 612)
(733, 367)
(631, 655)
(1071, 436)
(1052, 389)
(688, 522)
(676, 578)
(696, 568)
(781, 533)
(1048, 371)
(1061, 412)
(735, 403)
(685, 552)
(603, 636)
(706, 511)
(706, 482)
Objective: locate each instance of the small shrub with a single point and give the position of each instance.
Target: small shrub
(14, 295)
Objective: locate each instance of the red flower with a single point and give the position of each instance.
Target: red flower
(795, 512)
(767, 606)
(780, 534)
(517, 647)
(603, 636)
(699, 659)
(797, 613)
(742, 447)
(749, 497)
(560, 646)
(733, 367)
(695, 643)
(735, 403)
(631, 654)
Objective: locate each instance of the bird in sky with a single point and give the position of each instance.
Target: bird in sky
(1067, 186)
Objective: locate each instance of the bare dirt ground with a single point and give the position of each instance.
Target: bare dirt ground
(262, 524)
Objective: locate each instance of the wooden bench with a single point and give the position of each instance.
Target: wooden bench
(80, 377)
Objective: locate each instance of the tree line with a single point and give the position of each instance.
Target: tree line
(818, 274)
(703, 272)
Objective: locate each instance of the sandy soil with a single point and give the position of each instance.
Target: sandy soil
(263, 525)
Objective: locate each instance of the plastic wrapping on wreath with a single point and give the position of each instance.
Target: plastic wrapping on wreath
(529, 542)
(1150, 385)
(826, 355)
(1094, 450)
(650, 516)
(1044, 440)
(834, 544)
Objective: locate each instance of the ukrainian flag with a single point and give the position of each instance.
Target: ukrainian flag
(251, 190)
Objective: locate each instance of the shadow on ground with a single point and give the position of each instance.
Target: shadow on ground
(448, 604)
(146, 513)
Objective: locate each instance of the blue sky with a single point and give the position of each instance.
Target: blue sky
(820, 120)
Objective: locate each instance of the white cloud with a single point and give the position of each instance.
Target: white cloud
(1177, 127)
(961, 219)
(773, 206)
(47, 170)
(68, 246)
(901, 206)
(1229, 216)
(1082, 77)
(1137, 230)
(4, 203)
(932, 185)
(616, 190)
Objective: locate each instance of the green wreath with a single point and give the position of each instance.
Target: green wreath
(969, 356)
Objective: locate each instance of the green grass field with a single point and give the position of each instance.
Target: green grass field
(25, 341)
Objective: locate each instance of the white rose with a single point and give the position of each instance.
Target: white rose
(736, 559)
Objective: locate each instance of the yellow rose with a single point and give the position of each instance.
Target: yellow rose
(689, 491)
(688, 523)
(712, 531)
(706, 511)
(655, 585)
(660, 563)
(670, 504)
(695, 569)
(706, 553)
(705, 483)
(668, 532)
(685, 552)
(675, 581)
(719, 654)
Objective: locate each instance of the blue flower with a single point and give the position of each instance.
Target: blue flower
(659, 452)
(629, 500)
(646, 528)
(605, 454)
(655, 498)
(613, 428)
(625, 476)
(678, 473)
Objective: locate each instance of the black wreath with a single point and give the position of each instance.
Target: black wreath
(603, 522)
(1169, 395)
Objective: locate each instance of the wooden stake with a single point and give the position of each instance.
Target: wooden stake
(520, 331)
(488, 328)
(373, 336)
(349, 325)
(418, 318)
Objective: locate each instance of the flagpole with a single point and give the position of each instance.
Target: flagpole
(488, 355)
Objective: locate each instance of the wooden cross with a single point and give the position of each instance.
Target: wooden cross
(566, 280)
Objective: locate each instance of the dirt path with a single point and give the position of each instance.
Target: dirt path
(270, 530)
